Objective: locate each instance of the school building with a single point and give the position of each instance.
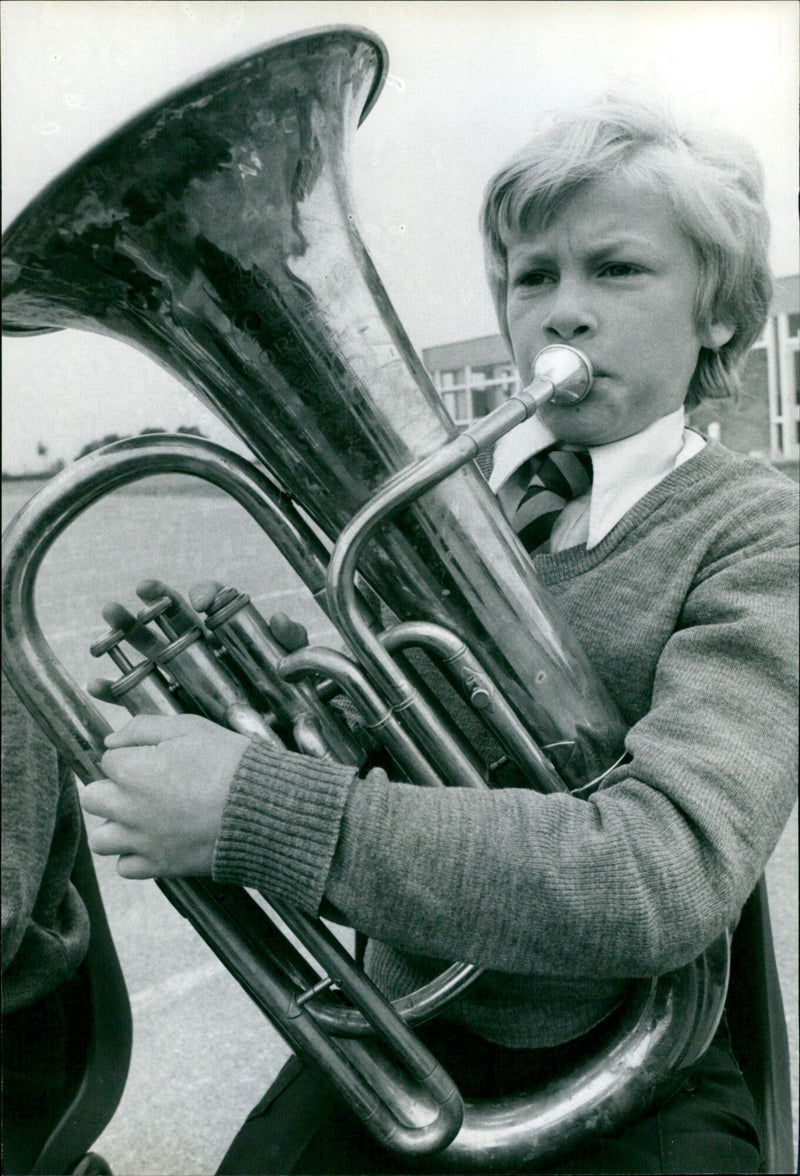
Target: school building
(476, 375)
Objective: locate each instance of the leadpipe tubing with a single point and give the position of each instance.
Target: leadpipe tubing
(423, 759)
(556, 369)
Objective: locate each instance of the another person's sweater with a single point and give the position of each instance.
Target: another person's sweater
(687, 609)
(45, 927)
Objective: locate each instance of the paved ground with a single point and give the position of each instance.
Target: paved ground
(202, 1053)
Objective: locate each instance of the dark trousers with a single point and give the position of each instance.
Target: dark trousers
(709, 1125)
(44, 1056)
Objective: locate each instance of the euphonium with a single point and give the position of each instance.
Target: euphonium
(215, 231)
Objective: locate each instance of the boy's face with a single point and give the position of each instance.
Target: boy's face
(614, 275)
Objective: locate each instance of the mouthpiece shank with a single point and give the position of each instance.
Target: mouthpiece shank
(560, 373)
(566, 369)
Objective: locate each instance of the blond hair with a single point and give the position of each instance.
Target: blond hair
(713, 182)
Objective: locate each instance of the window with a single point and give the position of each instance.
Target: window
(472, 392)
(485, 400)
(450, 379)
(457, 404)
(782, 386)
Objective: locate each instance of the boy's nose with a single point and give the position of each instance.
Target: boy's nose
(569, 317)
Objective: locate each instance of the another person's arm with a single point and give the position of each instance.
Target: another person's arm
(45, 929)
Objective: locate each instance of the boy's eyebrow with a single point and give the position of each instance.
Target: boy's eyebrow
(533, 255)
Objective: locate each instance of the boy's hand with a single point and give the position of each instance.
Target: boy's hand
(168, 780)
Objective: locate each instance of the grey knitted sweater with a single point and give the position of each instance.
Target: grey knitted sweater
(45, 927)
(687, 609)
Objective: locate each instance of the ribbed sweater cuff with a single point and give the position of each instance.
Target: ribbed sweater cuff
(281, 824)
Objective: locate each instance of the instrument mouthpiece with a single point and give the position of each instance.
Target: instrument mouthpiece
(562, 375)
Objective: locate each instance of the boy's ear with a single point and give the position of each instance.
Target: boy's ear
(718, 335)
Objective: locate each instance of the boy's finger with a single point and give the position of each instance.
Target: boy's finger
(203, 593)
(289, 633)
(100, 798)
(180, 613)
(118, 616)
(131, 865)
(109, 839)
(101, 688)
(139, 636)
(137, 771)
(148, 730)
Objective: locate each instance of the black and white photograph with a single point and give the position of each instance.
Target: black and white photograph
(400, 446)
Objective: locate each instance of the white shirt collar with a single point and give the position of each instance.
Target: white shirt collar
(623, 471)
(516, 447)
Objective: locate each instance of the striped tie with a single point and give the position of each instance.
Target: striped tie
(537, 492)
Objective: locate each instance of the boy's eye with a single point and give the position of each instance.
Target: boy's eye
(619, 269)
(533, 278)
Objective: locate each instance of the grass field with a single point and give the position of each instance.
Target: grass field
(203, 1054)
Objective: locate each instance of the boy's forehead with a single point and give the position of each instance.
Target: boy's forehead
(610, 210)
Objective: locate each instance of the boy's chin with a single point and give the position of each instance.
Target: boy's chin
(583, 424)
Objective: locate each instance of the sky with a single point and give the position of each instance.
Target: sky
(467, 83)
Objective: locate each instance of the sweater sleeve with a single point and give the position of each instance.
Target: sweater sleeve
(634, 881)
(281, 823)
(45, 928)
(645, 874)
(30, 803)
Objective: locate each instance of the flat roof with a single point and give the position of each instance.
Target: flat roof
(484, 349)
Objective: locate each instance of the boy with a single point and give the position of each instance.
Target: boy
(645, 248)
